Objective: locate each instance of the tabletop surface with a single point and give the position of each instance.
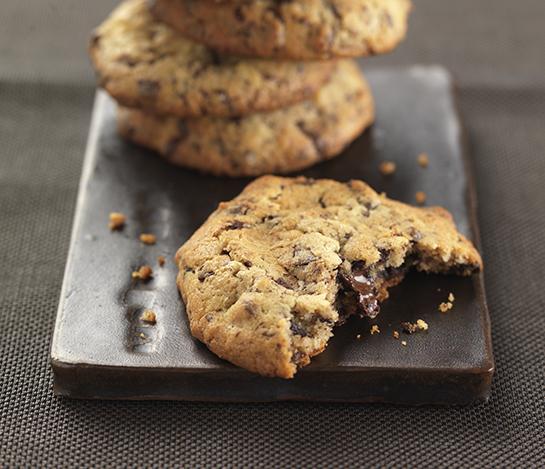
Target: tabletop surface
(495, 50)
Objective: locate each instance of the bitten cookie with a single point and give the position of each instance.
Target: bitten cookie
(143, 63)
(271, 272)
(276, 142)
(301, 30)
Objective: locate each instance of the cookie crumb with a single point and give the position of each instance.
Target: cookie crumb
(445, 307)
(117, 221)
(423, 160)
(422, 325)
(374, 329)
(387, 168)
(409, 327)
(395, 334)
(148, 238)
(143, 273)
(149, 317)
(404, 343)
(420, 198)
(451, 297)
(161, 261)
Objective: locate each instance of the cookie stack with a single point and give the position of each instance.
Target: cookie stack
(244, 87)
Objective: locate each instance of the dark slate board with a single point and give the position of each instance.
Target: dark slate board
(97, 351)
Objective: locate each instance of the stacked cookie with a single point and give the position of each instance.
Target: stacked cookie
(243, 87)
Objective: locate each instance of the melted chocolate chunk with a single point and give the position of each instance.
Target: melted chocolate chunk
(364, 288)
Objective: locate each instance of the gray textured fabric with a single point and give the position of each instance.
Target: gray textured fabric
(46, 95)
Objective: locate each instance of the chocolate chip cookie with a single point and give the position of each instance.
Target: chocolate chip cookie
(144, 63)
(271, 272)
(275, 142)
(297, 29)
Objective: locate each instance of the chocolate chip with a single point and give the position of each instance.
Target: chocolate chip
(384, 254)
(247, 264)
(329, 322)
(296, 357)
(276, 12)
(239, 209)
(250, 308)
(268, 218)
(335, 11)
(215, 58)
(358, 266)
(306, 260)
(95, 39)
(415, 235)
(225, 99)
(370, 205)
(239, 14)
(174, 142)
(387, 18)
(318, 143)
(284, 283)
(298, 329)
(204, 275)
(235, 225)
(171, 146)
(359, 281)
(149, 88)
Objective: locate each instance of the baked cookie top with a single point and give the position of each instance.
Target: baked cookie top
(297, 29)
(144, 63)
(281, 141)
(270, 273)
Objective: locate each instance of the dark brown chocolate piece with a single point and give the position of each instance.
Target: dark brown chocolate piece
(365, 289)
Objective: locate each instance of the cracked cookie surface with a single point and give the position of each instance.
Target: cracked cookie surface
(270, 273)
(144, 63)
(296, 29)
(281, 141)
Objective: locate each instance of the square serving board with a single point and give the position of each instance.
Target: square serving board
(101, 350)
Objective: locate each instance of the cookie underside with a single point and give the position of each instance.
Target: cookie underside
(271, 273)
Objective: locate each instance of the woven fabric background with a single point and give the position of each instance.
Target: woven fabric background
(494, 47)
